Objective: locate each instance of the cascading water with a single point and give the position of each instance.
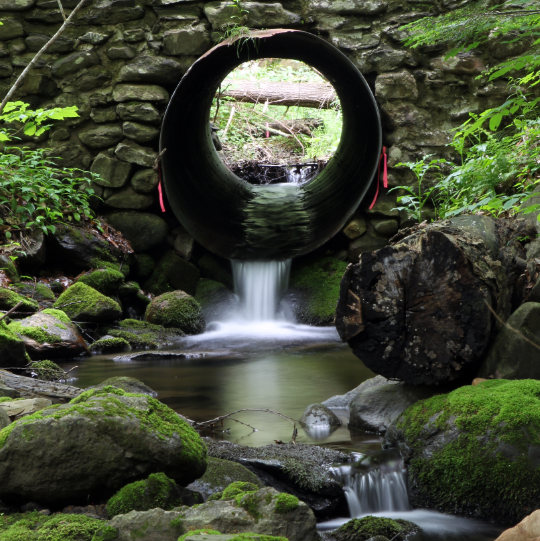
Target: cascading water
(260, 286)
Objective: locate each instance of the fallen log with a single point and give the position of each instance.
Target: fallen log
(418, 310)
(58, 393)
(314, 95)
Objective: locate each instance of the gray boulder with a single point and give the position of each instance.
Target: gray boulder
(94, 446)
(376, 408)
(343, 400)
(319, 416)
(188, 40)
(510, 356)
(220, 474)
(49, 334)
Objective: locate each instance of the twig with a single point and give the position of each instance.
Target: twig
(218, 102)
(61, 9)
(286, 128)
(245, 424)
(204, 424)
(158, 159)
(32, 62)
(11, 311)
(510, 327)
(233, 109)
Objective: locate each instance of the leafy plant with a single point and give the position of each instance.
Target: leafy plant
(415, 201)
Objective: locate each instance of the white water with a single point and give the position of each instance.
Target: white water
(260, 286)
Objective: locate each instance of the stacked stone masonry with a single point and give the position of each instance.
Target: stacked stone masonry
(122, 59)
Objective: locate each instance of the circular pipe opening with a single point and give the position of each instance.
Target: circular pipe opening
(235, 219)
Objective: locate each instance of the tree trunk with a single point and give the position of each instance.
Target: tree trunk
(320, 96)
(418, 310)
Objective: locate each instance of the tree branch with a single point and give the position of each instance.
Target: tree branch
(211, 422)
(11, 311)
(31, 64)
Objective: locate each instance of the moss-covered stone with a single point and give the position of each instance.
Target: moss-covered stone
(176, 309)
(9, 299)
(216, 269)
(104, 439)
(9, 268)
(58, 314)
(83, 303)
(156, 491)
(215, 299)
(144, 335)
(41, 293)
(12, 348)
(47, 370)
(202, 533)
(129, 385)
(362, 529)
(171, 273)
(122, 267)
(110, 345)
(106, 281)
(285, 503)
(474, 450)
(314, 289)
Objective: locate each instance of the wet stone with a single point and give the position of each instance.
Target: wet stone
(139, 132)
(143, 112)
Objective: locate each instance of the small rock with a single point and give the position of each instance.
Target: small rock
(4, 419)
(105, 280)
(73, 63)
(131, 152)
(139, 112)
(187, 41)
(145, 181)
(139, 132)
(384, 227)
(62, 45)
(102, 116)
(477, 381)
(12, 349)
(121, 53)
(109, 344)
(102, 136)
(21, 408)
(396, 85)
(355, 228)
(16, 5)
(183, 245)
(260, 15)
(176, 309)
(319, 416)
(152, 69)
(113, 173)
(134, 36)
(10, 29)
(94, 38)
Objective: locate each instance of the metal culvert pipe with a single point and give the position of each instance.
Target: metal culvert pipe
(235, 219)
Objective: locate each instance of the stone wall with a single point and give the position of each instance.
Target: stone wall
(122, 59)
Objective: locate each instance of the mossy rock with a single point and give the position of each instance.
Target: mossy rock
(176, 309)
(172, 273)
(474, 451)
(103, 439)
(9, 268)
(110, 345)
(83, 303)
(118, 266)
(362, 529)
(12, 348)
(156, 491)
(106, 281)
(145, 265)
(35, 526)
(314, 289)
(216, 269)
(144, 335)
(41, 293)
(46, 370)
(215, 299)
(220, 474)
(129, 385)
(9, 299)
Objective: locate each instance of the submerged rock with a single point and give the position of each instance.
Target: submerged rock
(314, 289)
(319, 416)
(220, 474)
(510, 356)
(300, 470)
(474, 451)
(176, 309)
(83, 303)
(95, 445)
(49, 334)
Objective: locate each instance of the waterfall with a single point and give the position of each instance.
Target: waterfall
(260, 286)
(375, 491)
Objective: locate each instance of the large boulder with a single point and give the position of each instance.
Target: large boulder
(511, 356)
(12, 348)
(176, 309)
(300, 470)
(377, 407)
(143, 230)
(83, 303)
(79, 248)
(220, 474)
(474, 451)
(527, 530)
(49, 334)
(314, 289)
(173, 272)
(215, 299)
(95, 445)
(265, 512)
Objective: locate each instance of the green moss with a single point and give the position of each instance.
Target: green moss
(177, 523)
(115, 266)
(176, 309)
(47, 370)
(106, 281)
(285, 503)
(9, 299)
(41, 293)
(156, 491)
(58, 314)
(221, 473)
(237, 488)
(202, 532)
(39, 334)
(110, 345)
(158, 420)
(248, 536)
(135, 324)
(9, 399)
(318, 279)
(145, 341)
(209, 292)
(141, 334)
(250, 501)
(105, 533)
(82, 299)
(30, 520)
(364, 528)
(487, 467)
(7, 336)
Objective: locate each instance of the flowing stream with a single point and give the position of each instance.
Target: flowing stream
(259, 357)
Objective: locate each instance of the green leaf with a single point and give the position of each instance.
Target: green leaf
(495, 121)
(30, 128)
